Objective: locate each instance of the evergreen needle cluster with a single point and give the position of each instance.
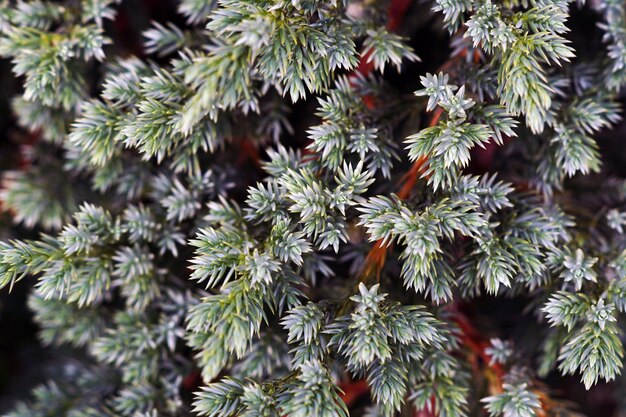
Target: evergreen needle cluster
(200, 259)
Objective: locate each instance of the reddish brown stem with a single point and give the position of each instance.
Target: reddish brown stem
(353, 390)
(248, 152)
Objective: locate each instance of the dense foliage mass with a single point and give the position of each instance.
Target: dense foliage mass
(255, 216)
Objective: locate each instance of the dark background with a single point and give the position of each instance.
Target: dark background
(25, 363)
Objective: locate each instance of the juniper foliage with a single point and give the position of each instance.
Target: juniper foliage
(187, 243)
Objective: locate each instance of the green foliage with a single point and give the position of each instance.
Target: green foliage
(230, 225)
(515, 401)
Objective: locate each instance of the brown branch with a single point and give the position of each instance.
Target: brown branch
(375, 259)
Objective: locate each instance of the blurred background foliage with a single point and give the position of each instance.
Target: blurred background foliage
(25, 363)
